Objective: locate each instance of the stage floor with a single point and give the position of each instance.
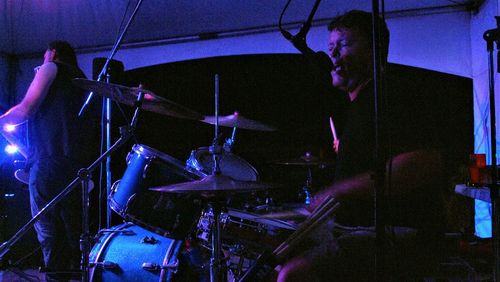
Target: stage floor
(24, 275)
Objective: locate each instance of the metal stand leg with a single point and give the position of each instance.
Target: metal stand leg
(85, 237)
(215, 261)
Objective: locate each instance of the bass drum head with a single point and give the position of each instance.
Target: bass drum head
(230, 165)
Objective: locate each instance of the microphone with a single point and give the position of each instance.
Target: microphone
(299, 40)
(492, 35)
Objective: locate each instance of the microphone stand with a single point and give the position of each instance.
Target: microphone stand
(299, 40)
(379, 153)
(107, 106)
(83, 178)
(492, 36)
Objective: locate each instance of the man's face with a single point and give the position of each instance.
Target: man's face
(49, 56)
(352, 59)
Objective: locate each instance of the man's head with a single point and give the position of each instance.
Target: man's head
(60, 51)
(350, 47)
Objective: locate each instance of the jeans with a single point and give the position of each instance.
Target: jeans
(58, 230)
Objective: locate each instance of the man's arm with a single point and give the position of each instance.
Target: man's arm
(408, 172)
(34, 96)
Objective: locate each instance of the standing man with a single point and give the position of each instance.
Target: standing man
(413, 175)
(60, 143)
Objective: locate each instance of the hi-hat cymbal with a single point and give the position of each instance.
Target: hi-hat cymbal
(239, 121)
(213, 184)
(128, 96)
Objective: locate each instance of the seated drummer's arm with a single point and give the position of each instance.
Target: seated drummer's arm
(410, 171)
(35, 95)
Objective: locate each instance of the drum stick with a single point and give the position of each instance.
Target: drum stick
(283, 249)
(334, 132)
(317, 213)
(295, 213)
(321, 213)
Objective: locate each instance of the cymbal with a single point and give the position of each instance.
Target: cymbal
(307, 160)
(239, 121)
(128, 96)
(213, 184)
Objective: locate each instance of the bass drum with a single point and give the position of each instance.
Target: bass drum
(201, 161)
(170, 215)
(128, 252)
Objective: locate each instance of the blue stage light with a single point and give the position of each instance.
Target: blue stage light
(11, 149)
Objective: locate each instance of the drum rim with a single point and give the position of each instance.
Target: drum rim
(258, 219)
(151, 153)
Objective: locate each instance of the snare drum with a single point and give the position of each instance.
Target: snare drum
(247, 228)
(171, 215)
(231, 165)
(128, 252)
(245, 236)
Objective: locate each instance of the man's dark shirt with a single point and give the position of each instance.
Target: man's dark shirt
(420, 208)
(56, 130)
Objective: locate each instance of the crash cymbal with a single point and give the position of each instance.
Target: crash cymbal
(239, 121)
(128, 96)
(213, 184)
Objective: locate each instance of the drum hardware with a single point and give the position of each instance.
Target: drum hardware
(156, 267)
(149, 240)
(107, 265)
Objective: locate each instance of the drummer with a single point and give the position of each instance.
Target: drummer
(60, 143)
(414, 209)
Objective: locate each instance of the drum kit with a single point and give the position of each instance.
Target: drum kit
(178, 224)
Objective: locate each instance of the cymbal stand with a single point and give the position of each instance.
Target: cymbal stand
(215, 150)
(107, 105)
(228, 145)
(83, 178)
(306, 189)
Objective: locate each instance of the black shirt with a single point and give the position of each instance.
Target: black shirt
(56, 130)
(421, 208)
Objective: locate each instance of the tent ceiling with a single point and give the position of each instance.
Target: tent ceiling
(27, 26)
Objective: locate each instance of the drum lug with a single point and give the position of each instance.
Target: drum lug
(107, 265)
(149, 240)
(149, 266)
